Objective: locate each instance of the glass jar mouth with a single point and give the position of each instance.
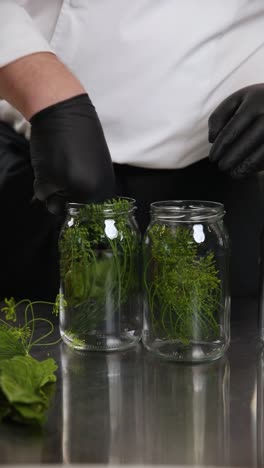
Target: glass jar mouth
(107, 208)
(187, 210)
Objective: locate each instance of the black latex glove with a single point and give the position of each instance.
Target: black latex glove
(69, 154)
(236, 129)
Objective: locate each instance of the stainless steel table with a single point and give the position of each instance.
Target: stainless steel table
(132, 408)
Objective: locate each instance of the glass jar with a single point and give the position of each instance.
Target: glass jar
(99, 266)
(186, 281)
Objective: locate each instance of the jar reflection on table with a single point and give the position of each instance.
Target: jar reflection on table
(99, 264)
(102, 407)
(260, 409)
(186, 413)
(186, 281)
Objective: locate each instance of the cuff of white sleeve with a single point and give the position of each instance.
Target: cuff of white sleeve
(18, 34)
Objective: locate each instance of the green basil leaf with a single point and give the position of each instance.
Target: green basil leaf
(25, 383)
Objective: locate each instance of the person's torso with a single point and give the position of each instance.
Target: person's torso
(156, 69)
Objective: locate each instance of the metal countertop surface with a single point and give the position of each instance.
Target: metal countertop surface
(132, 408)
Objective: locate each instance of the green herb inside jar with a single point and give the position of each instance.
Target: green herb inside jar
(183, 288)
(99, 269)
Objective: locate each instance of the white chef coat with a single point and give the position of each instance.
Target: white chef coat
(155, 69)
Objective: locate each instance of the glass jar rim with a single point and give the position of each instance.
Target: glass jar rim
(108, 207)
(187, 210)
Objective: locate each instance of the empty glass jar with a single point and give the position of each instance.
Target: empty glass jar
(186, 281)
(99, 266)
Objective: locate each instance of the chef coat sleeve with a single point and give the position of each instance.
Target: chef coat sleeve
(18, 34)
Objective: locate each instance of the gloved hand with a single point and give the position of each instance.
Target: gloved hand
(69, 154)
(236, 129)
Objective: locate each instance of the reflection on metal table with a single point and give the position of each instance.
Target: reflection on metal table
(132, 408)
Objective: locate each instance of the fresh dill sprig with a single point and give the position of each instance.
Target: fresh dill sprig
(183, 288)
(20, 333)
